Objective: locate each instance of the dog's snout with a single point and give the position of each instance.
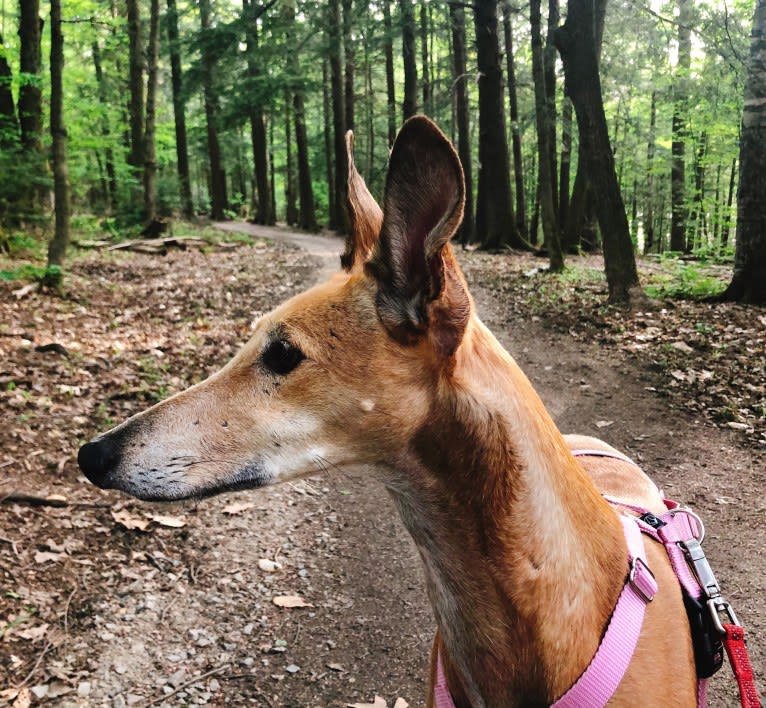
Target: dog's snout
(97, 459)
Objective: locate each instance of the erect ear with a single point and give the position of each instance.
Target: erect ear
(420, 287)
(365, 216)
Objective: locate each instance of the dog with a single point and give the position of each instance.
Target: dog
(386, 365)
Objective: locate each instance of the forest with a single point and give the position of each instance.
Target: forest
(120, 115)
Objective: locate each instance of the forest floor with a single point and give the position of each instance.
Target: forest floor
(107, 601)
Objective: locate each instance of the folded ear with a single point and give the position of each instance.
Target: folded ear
(420, 287)
(364, 215)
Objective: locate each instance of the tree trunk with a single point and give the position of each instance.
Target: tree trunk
(577, 43)
(338, 218)
(566, 163)
(678, 240)
(349, 67)
(179, 114)
(328, 154)
(60, 240)
(307, 215)
(30, 104)
(150, 152)
(264, 213)
(649, 191)
(410, 102)
(9, 126)
(697, 217)
(457, 18)
(103, 97)
(291, 209)
(549, 70)
(217, 173)
(726, 227)
(518, 164)
(424, 66)
(388, 49)
(748, 282)
(136, 85)
(551, 236)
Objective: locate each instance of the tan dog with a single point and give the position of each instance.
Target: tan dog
(387, 365)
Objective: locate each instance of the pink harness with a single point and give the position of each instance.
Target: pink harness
(681, 532)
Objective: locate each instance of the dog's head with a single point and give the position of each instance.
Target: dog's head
(342, 374)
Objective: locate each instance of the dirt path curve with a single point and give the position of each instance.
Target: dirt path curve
(206, 606)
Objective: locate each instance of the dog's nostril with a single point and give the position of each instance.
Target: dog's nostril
(96, 460)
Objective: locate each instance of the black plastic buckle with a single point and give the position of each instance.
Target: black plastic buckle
(706, 640)
(654, 521)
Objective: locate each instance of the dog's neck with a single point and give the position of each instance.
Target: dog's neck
(524, 561)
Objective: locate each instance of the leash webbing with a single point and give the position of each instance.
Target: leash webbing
(734, 642)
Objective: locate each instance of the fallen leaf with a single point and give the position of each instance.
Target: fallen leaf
(379, 703)
(174, 522)
(45, 556)
(737, 426)
(604, 423)
(290, 601)
(237, 507)
(23, 699)
(130, 522)
(32, 634)
(401, 703)
(335, 667)
(269, 566)
(682, 347)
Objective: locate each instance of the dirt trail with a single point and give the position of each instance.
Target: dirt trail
(192, 601)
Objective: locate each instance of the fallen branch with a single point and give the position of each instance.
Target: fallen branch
(186, 684)
(33, 500)
(158, 245)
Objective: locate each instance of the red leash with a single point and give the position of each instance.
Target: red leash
(734, 642)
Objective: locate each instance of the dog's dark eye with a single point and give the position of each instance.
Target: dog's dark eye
(281, 357)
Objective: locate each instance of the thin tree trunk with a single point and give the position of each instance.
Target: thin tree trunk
(697, 217)
(518, 165)
(338, 214)
(566, 163)
(328, 154)
(30, 103)
(136, 85)
(748, 283)
(649, 191)
(577, 43)
(551, 236)
(217, 173)
(467, 232)
(495, 221)
(370, 110)
(410, 102)
(424, 61)
(272, 170)
(103, 98)
(388, 49)
(264, 213)
(58, 244)
(717, 206)
(307, 215)
(678, 241)
(726, 228)
(291, 209)
(179, 113)
(349, 67)
(150, 153)
(9, 126)
(549, 66)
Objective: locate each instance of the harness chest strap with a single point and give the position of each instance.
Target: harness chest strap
(600, 680)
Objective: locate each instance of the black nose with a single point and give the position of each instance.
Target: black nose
(97, 459)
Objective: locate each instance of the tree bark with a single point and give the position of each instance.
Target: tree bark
(410, 102)
(103, 98)
(425, 83)
(136, 85)
(263, 213)
(150, 152)
(179, 113)
(60, 240)
(748, 282)
(349, 66)
(467, 231)
(518, 162)
(697, 220)
(678, 240)
(549, 70)
(328, 151)
(388, 49)
(649, 191)
(307, 214)
(30, 103)
(338, 218)
(291, 209)
(9, 126)
(217, 173)
(576, 40)
(551, 236)
(726, 227)
(566, 164)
